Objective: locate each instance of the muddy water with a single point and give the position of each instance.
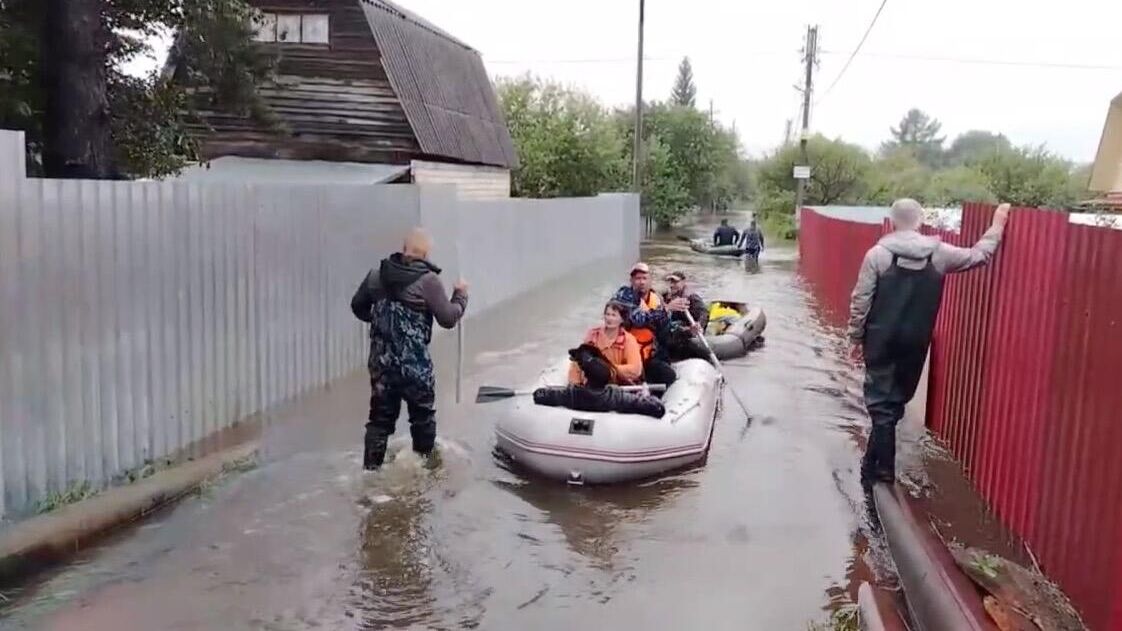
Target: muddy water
(766, 535)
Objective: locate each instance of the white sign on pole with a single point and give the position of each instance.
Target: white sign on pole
(802, 173)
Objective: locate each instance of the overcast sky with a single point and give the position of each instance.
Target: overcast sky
(746, 59)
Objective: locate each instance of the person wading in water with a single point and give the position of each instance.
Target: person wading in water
(892, 316)
(400, 300)
(752, 242)
(725, 234)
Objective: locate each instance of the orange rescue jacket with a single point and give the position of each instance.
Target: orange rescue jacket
(623, 352)
(645, 336)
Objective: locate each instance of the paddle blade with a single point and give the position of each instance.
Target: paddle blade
(682, 237)
(488, 394)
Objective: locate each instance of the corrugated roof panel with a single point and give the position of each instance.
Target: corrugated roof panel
(443, 87)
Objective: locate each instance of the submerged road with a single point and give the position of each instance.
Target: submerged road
(767, 535)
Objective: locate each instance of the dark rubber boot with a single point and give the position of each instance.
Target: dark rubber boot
(868, 466)
(374, 451)
(884, 443)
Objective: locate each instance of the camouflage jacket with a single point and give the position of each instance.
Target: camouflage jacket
(657, 320)
(400, 300)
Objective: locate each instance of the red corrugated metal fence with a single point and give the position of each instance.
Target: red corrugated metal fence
(830, 255)
(1025, 383)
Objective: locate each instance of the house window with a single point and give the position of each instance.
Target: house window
(292, 28)
(265, 27)
(314, 29)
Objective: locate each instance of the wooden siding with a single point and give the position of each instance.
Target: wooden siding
(334, 102)
(427, 97)
(471, 181)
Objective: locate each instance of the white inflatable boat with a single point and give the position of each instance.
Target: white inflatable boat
(703, 247)
(606, 447)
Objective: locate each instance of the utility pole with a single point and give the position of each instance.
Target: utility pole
(637, 173)
(712, 183)
(811, 58)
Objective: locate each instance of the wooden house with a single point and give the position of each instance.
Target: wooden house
(368, 82)
(1106, 175)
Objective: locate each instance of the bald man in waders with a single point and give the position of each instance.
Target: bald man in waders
(400, 300)
(892, 317)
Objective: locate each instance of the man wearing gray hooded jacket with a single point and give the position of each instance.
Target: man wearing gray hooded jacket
(892, 316)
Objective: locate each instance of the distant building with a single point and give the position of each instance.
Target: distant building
(1106, 176)
(365, 82)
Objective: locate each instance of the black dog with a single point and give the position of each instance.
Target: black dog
(598, 370)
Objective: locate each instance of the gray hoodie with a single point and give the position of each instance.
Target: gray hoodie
(946, 258)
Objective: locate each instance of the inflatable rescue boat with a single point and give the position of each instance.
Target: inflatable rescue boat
(733, 329)
(703, 247)
(607, 447)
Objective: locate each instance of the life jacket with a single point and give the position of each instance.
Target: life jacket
(646, 336)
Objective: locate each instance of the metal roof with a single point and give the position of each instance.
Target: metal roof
(260, 170)
(443, 87)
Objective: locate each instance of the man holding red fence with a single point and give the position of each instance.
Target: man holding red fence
(892, 317)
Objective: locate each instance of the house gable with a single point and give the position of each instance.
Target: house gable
(365, 81)
(1106, 176)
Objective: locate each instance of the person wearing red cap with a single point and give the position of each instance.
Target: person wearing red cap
(649, 321)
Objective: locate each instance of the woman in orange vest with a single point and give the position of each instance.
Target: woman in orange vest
(617, 346)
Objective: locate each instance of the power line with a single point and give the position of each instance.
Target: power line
(627, 60)
(606, 60)
(855, 51)
(880, 55)
(982, 61)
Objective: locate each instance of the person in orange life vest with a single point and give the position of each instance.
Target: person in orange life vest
(617, 345)
(649, 321)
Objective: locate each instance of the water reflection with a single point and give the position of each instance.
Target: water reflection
(395, 561)
(592, 519)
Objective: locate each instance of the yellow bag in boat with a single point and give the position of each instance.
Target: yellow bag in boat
(718, 311)
(720, 317)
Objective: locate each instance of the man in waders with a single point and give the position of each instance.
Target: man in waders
(752, 242)
(400, 300)
(892, 317)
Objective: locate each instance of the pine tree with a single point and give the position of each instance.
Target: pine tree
(918, 133)
(685, 92)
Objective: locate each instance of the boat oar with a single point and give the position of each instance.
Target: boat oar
(487, 394)
(682, 237)
(717, 364)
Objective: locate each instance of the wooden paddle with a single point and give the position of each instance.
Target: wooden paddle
(717, 365)
(488, 394)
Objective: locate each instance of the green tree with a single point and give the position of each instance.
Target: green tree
(1030, 177)
(839, 172)
(920, 133)
(897, 174)
(568, 144)
(665, 195)
(974, 145)
(957, 185)
(83, 116)
(685, 92)
(705, 154)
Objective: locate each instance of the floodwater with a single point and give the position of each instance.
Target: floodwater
(768, 534)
